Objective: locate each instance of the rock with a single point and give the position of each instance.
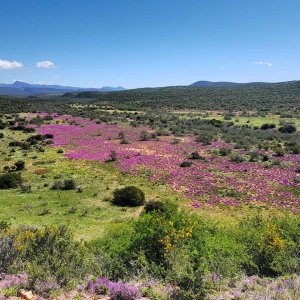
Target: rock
(23, 294)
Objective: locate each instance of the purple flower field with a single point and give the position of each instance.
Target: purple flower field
(211, 181)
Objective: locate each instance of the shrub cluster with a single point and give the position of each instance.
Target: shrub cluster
(67, 184)
(42, 253)
(183, 248)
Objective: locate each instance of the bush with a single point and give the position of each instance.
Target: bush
(267, 126)
(10, 180)
(112, 156)
(236, 157)
(68, 184)
(185, 164)
(50, 252)
(128, 196)
(224, 151)
(155, 205)
(272, 245)
(287, 128)
(37, 121)
(196, 155)
(20, 165)
(279, 151)
(204, 139)
(145, 136)
(293, 147)
(1, 135)
(8, 252)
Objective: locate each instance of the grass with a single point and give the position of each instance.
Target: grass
(89, 212)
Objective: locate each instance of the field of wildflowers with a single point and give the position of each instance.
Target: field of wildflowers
(211, 180)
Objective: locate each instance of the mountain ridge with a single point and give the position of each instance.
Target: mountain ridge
(22, 88)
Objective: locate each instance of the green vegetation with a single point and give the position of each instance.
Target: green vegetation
(111, 224)
(129, 196)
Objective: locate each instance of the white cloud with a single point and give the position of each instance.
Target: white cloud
(264, 63)
(46, 64)
(10, 65)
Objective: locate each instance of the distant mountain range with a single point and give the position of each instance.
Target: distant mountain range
(204, 83)
(26, 89)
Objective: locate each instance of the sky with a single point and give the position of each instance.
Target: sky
(148, 43)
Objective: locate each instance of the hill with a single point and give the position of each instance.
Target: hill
(204, 83)
(269, 97)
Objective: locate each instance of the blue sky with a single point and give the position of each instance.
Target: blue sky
(139, 43)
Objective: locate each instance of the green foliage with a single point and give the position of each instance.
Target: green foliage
(224, 151)
(205, 139)
(10, 180)
(128, 196)
(267, 126)
(196, 155)
(272, 244)
(287, 128)
(236, 157)
(185, 164)
(155, 205)
(20, 165)
(144, 135)
(67, 184)
(43, 253)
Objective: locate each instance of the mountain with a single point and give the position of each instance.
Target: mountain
(212, 84)
(26, 89)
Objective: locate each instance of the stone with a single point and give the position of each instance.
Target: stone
(27, 295)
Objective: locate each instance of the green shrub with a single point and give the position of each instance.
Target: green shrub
(155, 205)
(196, 155)
(287, 128)
(224, 151)
(236, 157)
(272, 244)
(145, 136)
(279, 151)
(204, 139)
(267, 126)
(185, 164)
(10, 180)
(69, 184)
(20, 165)
(128, 196)
(43, 253)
